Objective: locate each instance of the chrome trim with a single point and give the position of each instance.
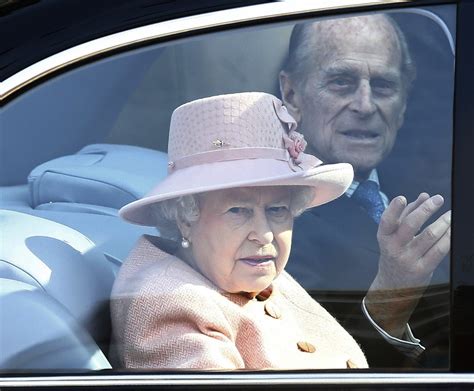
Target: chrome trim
(240, 379)
(173, 27)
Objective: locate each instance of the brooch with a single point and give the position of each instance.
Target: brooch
(218, 143)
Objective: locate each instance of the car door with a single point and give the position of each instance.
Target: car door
(85, 121)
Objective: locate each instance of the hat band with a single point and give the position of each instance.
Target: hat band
(303, 162)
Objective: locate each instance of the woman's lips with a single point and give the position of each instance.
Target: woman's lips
(258, 261)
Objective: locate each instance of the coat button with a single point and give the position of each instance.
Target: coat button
(350, 364)
(306, 347)
(272, 310)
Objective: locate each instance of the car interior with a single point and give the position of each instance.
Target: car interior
(63, 246)
(97, 138)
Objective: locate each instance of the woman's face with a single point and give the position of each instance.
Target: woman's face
(242, 239)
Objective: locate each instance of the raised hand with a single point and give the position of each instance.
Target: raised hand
(408, 258)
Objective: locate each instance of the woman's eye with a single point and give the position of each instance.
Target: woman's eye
(278, 211)
(238, 210)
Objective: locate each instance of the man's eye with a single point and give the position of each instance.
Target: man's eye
(382, 86)
(341, 83)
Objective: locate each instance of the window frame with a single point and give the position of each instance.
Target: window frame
(462, 290)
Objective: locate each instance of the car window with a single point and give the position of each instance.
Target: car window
(374, 90)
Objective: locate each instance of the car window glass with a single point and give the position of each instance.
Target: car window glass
(81, 145)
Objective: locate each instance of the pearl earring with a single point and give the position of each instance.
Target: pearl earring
(185, 243)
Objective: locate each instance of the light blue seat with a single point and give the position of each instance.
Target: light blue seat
(60, 251)
(40, 333)
(100, 178)
(84, 191)
(54, 294)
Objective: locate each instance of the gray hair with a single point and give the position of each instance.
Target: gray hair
(186, 209)
(168, 212)
(300, 50)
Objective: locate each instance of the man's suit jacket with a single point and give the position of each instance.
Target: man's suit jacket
(335, 257)
(167, 315)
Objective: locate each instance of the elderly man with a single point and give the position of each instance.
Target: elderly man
(346, 82)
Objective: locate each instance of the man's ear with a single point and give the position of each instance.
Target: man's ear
(289, 96)
(401, 116)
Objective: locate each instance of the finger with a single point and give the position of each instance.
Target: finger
(431, 235)
(413, 205)
(390, 219)
(433, 257)
(412, 223)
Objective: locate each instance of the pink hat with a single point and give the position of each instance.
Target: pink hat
(237, 140)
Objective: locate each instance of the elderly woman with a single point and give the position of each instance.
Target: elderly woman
(211, 292)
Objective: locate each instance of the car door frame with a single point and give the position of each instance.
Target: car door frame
(462, 295)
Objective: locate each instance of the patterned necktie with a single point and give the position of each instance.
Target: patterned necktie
(368, 196)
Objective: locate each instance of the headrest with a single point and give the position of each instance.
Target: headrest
(106, 175)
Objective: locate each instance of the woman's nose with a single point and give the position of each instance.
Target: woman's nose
(261, 230)
(363, 102)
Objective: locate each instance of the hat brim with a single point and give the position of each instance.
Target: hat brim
(329, 181)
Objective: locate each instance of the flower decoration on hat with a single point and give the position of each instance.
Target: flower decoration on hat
(295, 144)
(293, 140)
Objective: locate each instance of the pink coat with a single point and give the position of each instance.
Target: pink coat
(167, 315)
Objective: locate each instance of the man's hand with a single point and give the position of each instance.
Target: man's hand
(407, 259)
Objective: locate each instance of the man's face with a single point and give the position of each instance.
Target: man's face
(352, 101)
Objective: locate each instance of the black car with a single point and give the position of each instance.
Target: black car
(87, 90)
